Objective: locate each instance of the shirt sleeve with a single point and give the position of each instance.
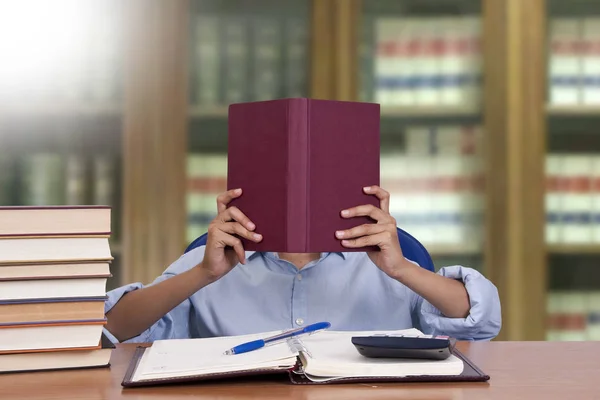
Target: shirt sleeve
(175, 324)
(484, 320)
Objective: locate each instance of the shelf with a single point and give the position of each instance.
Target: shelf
(62, 109)
(218, 111)
(430, 111)
(573, 111)
(573, 248)
(386, 111)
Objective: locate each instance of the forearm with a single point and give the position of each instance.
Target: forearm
(447, 295)
(136, 311)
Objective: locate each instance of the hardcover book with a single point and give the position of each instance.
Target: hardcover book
(300, 162)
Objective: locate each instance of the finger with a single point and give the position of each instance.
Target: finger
(366, 210)
(224, 198)
(381, 240)
(362, 230)
(234, 213)
(228, 240)
(237, 228)
(382, 195)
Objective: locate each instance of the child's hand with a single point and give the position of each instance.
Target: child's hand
(223, 250)
(383, 234)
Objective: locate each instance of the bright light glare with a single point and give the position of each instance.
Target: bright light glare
(40, 43)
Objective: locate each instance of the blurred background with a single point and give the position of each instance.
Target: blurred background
(490, 125)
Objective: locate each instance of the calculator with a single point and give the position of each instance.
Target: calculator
(409, 347)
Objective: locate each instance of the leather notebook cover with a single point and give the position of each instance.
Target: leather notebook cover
(471, 373)
(300, 162)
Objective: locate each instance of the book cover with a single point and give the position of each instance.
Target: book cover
(300, 162)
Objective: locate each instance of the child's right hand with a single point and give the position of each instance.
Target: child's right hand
(223, 250)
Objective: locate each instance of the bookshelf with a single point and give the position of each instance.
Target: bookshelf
(572, 112)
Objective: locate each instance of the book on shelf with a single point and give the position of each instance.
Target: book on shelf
(267, 80)
(206, 59)
(591, 61)
(436, 184)
(206, 179)
(573, 315)
(296, 56)
(327, 357)
(235, 62)
(572, 199)
(574, 61)
(54, 267)
(424, 62)
(239, 58)
(299, 180)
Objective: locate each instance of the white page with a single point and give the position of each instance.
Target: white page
(181, 357)
(332, 354)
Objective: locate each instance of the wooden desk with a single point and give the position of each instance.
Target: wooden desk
(518, 370)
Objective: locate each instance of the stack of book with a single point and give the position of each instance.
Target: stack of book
(54, 266)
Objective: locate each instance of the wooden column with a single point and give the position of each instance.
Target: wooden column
(334, 47)
(155, 133)
(514, 68)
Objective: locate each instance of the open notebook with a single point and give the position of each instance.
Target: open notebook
(326, 357)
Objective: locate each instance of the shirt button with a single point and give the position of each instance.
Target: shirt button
(299, 277)
(299, 321)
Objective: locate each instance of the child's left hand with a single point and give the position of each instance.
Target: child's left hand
(382, 234)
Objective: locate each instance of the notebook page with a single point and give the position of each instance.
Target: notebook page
(329, 355)
(186, 357)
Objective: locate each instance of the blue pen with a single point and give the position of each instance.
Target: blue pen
(257, 344)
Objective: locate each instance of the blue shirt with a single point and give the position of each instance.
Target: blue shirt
(346, 289)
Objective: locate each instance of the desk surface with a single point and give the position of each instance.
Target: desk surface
(518, 370)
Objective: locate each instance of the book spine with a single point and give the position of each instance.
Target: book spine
(384, 61)
(565, 63)
(553, 198)
(596, 199)
(267, 79)
(578, 199)
(419, 168)
(367, 57)
(450, 62)
(206, 53)
(296, 53)
(297, 218)
(593, 317)
(573, 314)
(235, 53)
(472, 26)
(553, 319)
(591, 61)
(429, 67)
(75, 180)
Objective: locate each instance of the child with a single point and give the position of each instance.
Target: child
(221, 290)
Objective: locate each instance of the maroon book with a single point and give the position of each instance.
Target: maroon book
(300, 162)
